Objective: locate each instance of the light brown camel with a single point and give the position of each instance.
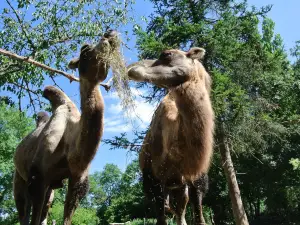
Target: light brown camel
(64, 145)
(177, 149)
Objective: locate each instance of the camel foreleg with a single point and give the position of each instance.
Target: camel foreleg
(178, 200)
(78, 187)
(155, 191)
(47, 204)
(37, 190)
(197, 191)
(22, 200)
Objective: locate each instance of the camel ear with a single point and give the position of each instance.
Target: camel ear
(196, 53)
(73, 64)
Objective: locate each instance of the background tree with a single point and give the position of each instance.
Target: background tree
(14, 126)
(254, 94)
(50, 32)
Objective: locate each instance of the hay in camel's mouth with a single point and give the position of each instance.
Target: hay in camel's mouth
(112, 56)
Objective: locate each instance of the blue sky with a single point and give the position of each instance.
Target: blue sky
(286, 17)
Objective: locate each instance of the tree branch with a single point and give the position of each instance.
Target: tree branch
(45, 67)
(30, 98)
(291, 122)
(22, 26)
(24, 88)
(107, 85)
(38, 64)
(20, 96)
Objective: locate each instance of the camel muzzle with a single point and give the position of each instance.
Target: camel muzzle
(110, 34)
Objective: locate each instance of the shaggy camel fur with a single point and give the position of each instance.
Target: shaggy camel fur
(177, 149)
(64, 145)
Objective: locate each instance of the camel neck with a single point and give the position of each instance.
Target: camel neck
(194, 107)
(91, 121)
(91, 98)
(192, 99)
(196, 128)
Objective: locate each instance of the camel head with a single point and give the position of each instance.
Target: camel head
(41, 118)
(172, 68)
(93, 60)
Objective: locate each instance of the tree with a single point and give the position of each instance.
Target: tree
(14, 126)
(254, 95)
(82, 216)
(104, 187)
(130, 203)
(117, 196)
(50, 32)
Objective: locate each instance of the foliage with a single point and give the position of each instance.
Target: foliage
(255, 97)
(148, 222)
(14, 126)
(50, 32)
(82, 216)
(295, 163)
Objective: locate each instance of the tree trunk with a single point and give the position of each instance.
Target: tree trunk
(239, 213)
(257, 208)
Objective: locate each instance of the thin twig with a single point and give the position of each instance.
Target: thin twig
(22, 26)
(28, 91)
(30, 98)
(53, 80)
(20, 96)
(107, 85)
(25, 88)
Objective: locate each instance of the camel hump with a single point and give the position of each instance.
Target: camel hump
(55, 95)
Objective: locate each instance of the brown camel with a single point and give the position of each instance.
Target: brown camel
(63, 146)
(42, 117)
(177, 149)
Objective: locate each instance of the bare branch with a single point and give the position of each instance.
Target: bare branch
(36, 63)
(107, 85)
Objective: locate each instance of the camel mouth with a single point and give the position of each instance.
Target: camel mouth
(110, 38)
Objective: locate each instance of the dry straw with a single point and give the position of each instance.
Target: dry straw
(112, 55)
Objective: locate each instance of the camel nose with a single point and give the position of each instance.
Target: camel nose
(110, 33)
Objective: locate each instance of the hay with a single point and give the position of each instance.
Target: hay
(112, 55)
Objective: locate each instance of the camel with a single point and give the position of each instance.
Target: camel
(63, 146)
(177, 149)
(42, 117)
